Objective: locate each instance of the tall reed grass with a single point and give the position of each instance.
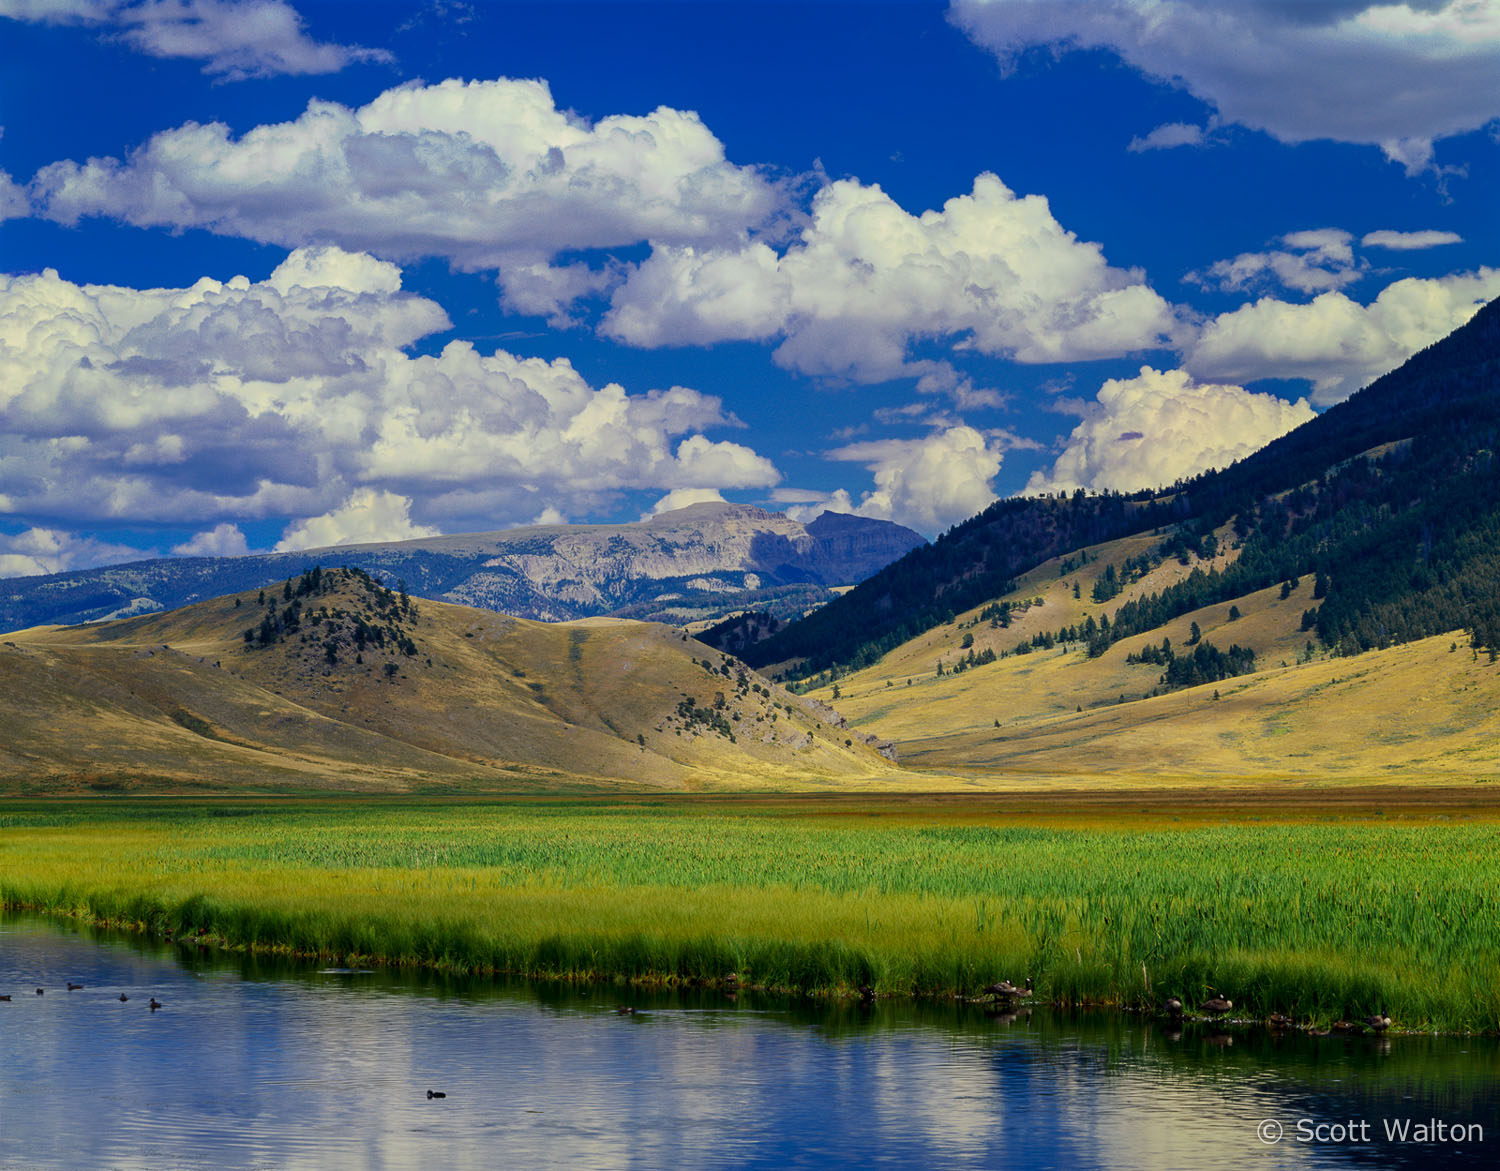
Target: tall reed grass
(1315, 920)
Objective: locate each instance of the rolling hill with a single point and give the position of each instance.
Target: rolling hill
(1426, 710)
(692, 564)
(336, 681)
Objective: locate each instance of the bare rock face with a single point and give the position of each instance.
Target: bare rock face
(698, 563)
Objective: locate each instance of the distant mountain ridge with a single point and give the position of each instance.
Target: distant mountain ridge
(694, 563)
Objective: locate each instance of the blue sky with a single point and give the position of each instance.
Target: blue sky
(280, 275)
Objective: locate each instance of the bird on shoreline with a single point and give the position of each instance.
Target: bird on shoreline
(1003, 988)
(1172, 1006)
(1216, 1005)
(1278, 1021)
(1378, 1023)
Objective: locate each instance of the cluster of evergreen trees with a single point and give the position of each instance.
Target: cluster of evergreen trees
(277, 624)
(381, 626)
(1205, 664)
(972, 659)
(693, 716)
(1132, 569)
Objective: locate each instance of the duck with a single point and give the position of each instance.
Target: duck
(72, 987)
(40, 991)
(431, 1094)
(123, 998)
(1216, 1005)
(154, 1004)
(1172, 1006)
(1343, 1027)
(1278, 1021)
(5, 997)
(1378, 1023)
(866, 994)
(625, 1009)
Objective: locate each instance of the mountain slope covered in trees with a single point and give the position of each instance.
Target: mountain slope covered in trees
(1389, 501)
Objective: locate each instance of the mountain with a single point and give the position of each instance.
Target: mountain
(332, 680)
(693, 564)
(1389, 503)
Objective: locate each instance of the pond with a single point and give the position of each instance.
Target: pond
(255, 1063)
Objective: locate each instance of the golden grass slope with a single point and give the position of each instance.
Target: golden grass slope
(1426, 710)
(180, 699)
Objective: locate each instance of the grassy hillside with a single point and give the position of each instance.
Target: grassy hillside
(1428, 709)
(349, 685)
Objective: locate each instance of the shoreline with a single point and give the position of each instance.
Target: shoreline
(666, 982)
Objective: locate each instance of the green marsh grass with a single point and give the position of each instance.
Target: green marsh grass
(1319, 920)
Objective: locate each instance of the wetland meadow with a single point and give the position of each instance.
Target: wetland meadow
(1320, 907)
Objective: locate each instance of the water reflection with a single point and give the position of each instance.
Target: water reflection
(257, 1063)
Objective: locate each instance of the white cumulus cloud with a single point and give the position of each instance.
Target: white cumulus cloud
(1313, 261)
(1395, 75)
(1334, 342)
(1160, 427)
(1409, 241)
(865, 280)
(36, 551)
(489, 174)
(367, 516)
(223, 540)
(1169, 135)
(13, 202)
(926, 484)
(681, 498)
(235, 400)
(235, 39)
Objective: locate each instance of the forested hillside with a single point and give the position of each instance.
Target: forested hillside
(1390, 500)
